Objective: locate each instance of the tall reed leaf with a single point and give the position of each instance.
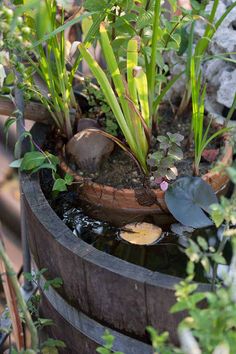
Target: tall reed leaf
(201, 138)
(128, 100)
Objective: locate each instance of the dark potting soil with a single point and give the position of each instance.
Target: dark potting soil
(166, 255)
(120, 171)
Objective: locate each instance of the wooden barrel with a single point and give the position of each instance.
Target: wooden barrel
(98, 289)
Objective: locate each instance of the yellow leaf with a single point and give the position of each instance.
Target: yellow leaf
(141, 233)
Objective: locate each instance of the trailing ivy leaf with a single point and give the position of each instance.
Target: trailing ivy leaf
(42, 322)
(45, 165)
(8, 123)
(32, 160)
(49, 350)
(187, 198)
(10, 78)
(54, 159)
(22, 137)
(59, 185)
(16, 163)
(50, 342)
(55, 283)
(68, 179)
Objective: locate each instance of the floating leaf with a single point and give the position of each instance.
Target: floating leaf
(187, 198)
(141, 233)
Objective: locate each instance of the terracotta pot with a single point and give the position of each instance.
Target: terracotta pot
(121, 206)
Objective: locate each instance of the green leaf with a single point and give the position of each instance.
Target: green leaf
(32, 160)
(16, 163)
(217, 214)
(62, 28)
(68, 179)
(55, 283)
(179, 306)
(202, 242)
(206, 264)
(59, 185)
(218, 258)
(50, 342)
(45, 165)
(28, 276)
(196, 298)
(54, 159)
(95, 5)
(10, 78)
(8, 123)
(232, 174)
(45, 322)
(101, 350)
(49, 350)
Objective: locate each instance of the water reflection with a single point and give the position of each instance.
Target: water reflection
(166, 255)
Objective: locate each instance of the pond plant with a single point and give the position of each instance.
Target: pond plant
(133, 84)
(127, 85)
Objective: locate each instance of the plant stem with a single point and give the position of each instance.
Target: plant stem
(12, 276)
(152, 67)
(219, 251)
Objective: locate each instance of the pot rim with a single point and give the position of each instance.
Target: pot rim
(208, 177)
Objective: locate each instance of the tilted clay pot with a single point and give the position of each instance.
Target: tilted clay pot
(121, 206)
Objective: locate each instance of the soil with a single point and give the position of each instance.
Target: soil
(120, 170)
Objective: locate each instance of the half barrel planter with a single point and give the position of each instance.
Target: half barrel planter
(99, 291)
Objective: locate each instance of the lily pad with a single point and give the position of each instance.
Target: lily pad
(141, 233)
(188, 199)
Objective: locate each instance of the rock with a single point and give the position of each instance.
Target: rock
(218, 73)
(229, 21)
(177, 65)
(214, 109)
(88, 149)
(226, 92)
(213, 69)
(86, 123)
(224, 41)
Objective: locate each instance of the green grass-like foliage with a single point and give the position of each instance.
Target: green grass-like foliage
(201, 136)
(128, 100)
